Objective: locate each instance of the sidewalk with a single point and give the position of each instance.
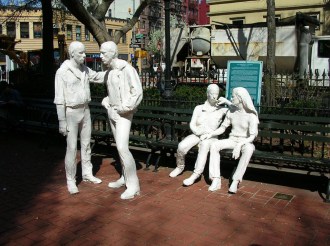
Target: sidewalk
(270, 208)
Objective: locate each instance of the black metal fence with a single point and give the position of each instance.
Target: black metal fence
(313, 88)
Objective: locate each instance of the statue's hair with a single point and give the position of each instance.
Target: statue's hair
(246, 99)
(111, 46)
(212, 87)
(74, 45)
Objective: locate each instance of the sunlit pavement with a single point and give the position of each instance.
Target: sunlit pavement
(270, 208)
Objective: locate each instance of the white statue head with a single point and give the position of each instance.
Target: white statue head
(77, 53)
(241, 96)
(109, 52)
(212, 93)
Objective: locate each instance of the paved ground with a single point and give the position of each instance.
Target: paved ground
(271, 207)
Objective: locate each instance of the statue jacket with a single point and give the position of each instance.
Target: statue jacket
(124, 87)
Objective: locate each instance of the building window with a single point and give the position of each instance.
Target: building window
(124, 39)
(24, 26)
(78, 33)
(37, 29)
(87, 34)
(277, 18)
(323, 48)
(316, 16)
(238, 21)
(110, 32)
(110, 13)
(69, 32)
(56, 30)
(11, 29)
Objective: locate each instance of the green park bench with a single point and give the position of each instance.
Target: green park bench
(284, 141)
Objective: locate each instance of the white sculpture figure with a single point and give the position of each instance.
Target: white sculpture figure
(124, 96)
(72, 95)
(244, 122)
(206, 118)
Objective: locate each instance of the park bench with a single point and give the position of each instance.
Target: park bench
(284, 141)
(39, 116)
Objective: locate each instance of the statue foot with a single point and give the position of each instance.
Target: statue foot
(233, 187)
(129, 194)
(189, 181)
(92, 179)
(216, 184)
(118, 183)
(176, 172)
(72, 187)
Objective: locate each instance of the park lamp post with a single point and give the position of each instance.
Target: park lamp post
(167, 83)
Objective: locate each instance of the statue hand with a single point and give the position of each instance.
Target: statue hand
(222, 101)
(105, 103)
(63, 127)
(113, 114)
(237, 151)
(206, 136)
(123, 110)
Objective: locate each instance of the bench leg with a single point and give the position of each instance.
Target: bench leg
(156, 164)
(327, 195)
(148, 161)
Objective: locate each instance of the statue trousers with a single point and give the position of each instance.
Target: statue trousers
(78, 122)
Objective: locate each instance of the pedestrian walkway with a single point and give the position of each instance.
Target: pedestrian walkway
(270, 208)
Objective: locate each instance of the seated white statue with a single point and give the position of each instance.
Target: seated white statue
(244, 122)
(205, 119)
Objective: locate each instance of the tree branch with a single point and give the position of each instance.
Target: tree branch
(96, 27)
(120, 32)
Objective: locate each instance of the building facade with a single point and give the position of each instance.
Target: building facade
(245, 12)
(27, 31)
(203, 9)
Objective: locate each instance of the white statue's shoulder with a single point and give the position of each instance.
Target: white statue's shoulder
(121, 64)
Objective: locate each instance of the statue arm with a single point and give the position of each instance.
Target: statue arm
(226, 122)
(253, 130)
(193, 122)
(60, 103)
(223, 100)
(96, 77)
(134, 89)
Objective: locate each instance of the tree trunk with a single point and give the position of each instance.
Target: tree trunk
(270, 84)
(94, 17)
(47, 44)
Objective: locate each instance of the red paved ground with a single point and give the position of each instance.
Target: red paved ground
(36, 208)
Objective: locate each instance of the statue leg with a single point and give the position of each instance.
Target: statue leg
(71, 150)
(121, 181)
(123, 126)
(214, 166)
(204, 147)
(247, 151)
(184, 146)
(85, 128)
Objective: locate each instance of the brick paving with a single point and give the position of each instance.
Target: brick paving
(36, 209)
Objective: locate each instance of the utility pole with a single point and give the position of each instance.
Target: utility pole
(133, 39)
(168, 85)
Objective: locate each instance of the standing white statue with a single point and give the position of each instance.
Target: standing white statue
(124, 96)
(244, 122)
(72, 95)
(206, 118)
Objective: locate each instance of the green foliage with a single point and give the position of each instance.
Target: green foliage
(312, 103)
(155, 37)
(98, 90)
(151, 93)
(190, 93)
